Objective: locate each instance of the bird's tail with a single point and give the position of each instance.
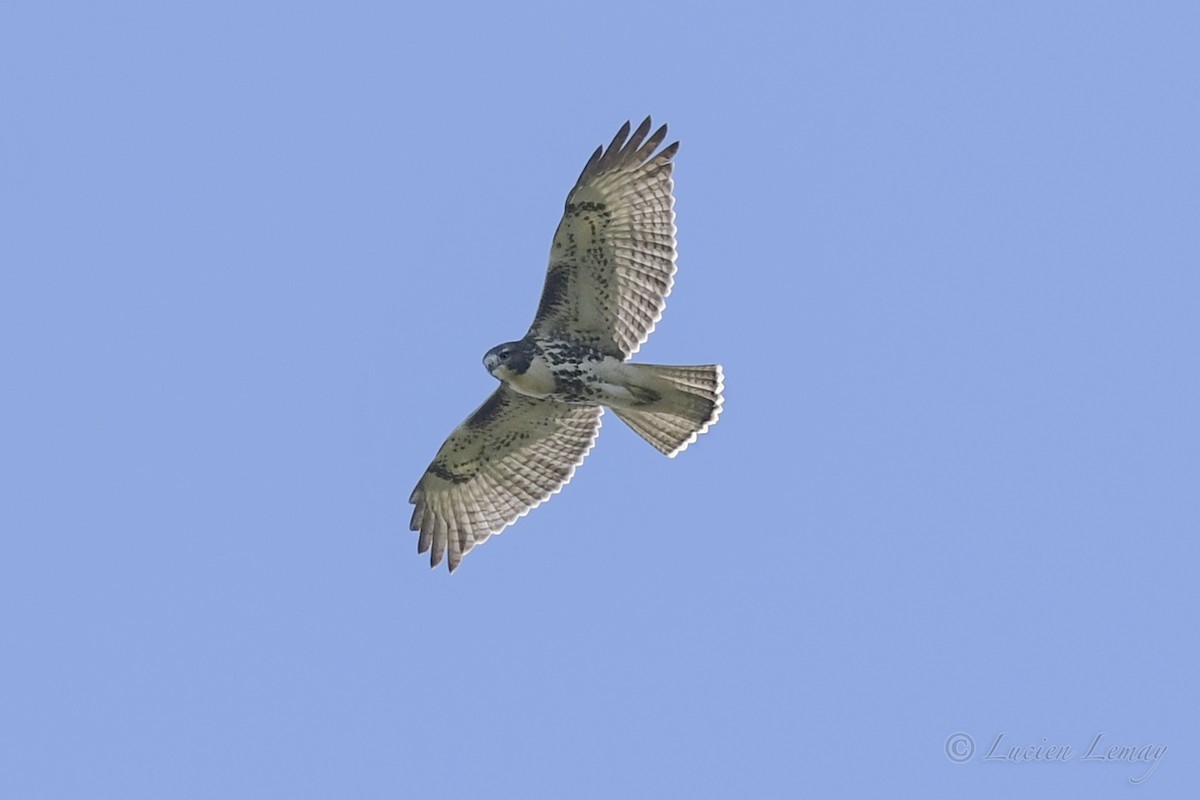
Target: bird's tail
(686, 401)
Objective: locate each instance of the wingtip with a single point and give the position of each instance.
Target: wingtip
(619, 140)
(639, 135)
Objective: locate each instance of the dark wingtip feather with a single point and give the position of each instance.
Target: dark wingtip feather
(595, 157)
(647, 149)
(625, 149)
(620, 138)
(614, 148)
(666, 154)
(639, 135)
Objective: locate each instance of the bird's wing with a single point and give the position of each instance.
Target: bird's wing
(511, 454)
(613, 257)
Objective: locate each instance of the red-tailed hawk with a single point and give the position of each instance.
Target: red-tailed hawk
(611, 267)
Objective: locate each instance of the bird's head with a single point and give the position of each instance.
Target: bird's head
(506, 360)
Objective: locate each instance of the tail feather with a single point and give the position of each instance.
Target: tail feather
(689, 403)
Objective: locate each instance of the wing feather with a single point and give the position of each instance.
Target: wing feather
(509, 456)
(612, 262)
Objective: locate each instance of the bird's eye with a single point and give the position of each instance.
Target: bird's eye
(503, 355)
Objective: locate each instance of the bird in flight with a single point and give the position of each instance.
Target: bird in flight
(612, 264)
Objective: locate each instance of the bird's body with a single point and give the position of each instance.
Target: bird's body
(558, 368)
(567, 372)
(611, 267)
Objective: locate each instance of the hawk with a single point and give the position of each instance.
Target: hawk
(612, 264)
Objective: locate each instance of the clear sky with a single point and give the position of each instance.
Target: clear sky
(251, 255)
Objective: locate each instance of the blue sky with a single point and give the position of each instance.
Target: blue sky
(253, 253)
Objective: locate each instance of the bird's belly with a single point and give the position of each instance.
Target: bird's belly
(594, 382)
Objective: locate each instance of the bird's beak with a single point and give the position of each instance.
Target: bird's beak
(490, 361)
